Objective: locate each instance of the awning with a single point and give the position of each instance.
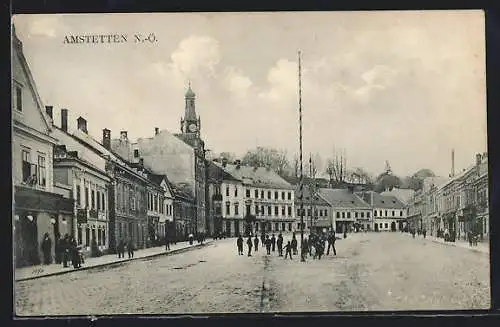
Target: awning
(35, 200)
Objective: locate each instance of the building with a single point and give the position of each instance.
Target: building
(414, 211)
(481, 223)
(316, 210)
(81, 170)
(184, 212)
(255, 199)
(179, 156)
(348, 210)
(388, 212)
(165, 213)
(402, 194)
(38, 209)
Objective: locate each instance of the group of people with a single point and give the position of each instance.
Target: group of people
(273, 243)
(66, 250)
(120, 249)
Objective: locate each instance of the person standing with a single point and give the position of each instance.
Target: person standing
(46, 248)
(167, 243)
(65, 251)
(239, 244)
(273, 243)
(130, 248)
(249, 244)
(256, 243)
(320, 249)
(279, 243)
(288, 250)
(121, 249)
(294, 244)
(57, 249)
(331, 243)
(424, 232)
(75, 255)
(268, 244)
(263, 238)
(305, 247)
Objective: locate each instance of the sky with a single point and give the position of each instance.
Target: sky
(406, 87)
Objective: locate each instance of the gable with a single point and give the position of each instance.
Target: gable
(32, 114)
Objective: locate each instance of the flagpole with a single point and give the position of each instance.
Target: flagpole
(301, 195)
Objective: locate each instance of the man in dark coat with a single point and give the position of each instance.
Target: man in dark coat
(130, 248)
(239, 244)
(256, 243)
(279, 243)
(46, 249)
(263, 239)
(273, 243)
(75, 254)
(331, 243)
(268, 244)
(294, 244)
(167, 243)
(249, 244)
(288, 250)
(121, 249)
(305, 247)
(65, 249)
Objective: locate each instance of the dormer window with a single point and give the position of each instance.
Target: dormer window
(136, 153)
(18, 97)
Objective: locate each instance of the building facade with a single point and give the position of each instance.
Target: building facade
(316, 211)
(387, 211)
(348, 210)
(38, 209)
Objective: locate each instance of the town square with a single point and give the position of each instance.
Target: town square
(204, 170)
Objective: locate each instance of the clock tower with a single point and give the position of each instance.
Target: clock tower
(190, 124)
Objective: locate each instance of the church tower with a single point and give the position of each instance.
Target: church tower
(190, 124)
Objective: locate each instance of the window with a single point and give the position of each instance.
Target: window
(87, 236)
(380, 213)
(289, 211)
(343, 214)
(227, 190)
(86, 197)
(80, 236)
(367, 215)
(282, 195)
(283, 211)
(268, 194)
(136, 153)
(26, 165)
(401, 213)
(338, 214)
(236, 191)
(256, 210)
(236, 209)
(309, 212)
(393, 213)
(276, 226)
(256, 194)
(276, 195)
(276, 211)
(98, 200)
(78, 195)
(375, 213)
(261, 194)
(362, 215)
(289, 195)
(269, 212)
(262, 210)
(248, 209)
(348, 215)
(92, 199)
(248, 193)
(228, 209)
(385, 212)
(356, 215)
(19, 98)
(99, 237)
(41, 170)
(289, 227)
(103, 203)
(386, 225)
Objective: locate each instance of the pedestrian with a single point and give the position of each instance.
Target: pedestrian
(46, 248)
(65, 250)
(130, 248)
(320, 249)
(268, 244)
(310, 243)
(167, 243)
(304, 249)
(75, 255)
(120, 248)
(279, 243)
(288, 250)
(57, 249)
(294, 244)
(273, 243)
(424, 232)
(256, 243)
(239, 244)
(249, 244)
(331, 242)
(263, 238)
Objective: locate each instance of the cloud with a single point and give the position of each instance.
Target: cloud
(236, 82)
(196, 55)
(45, 26)
(282, 78)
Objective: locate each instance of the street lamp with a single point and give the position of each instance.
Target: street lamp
(301, 196)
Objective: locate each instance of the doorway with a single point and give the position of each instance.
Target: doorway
(393, 226)
(26, 239)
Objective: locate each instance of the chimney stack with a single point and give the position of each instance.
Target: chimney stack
(49, 111)
(106, 138)
(82, 124)
(157, 131)
(123, 135)
(64, 119)
(453, 163)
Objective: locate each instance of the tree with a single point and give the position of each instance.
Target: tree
(268, 157)
(336, 167)
(229, 156)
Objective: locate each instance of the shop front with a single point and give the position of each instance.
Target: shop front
(35, 214)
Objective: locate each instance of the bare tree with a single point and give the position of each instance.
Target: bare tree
(274, 159)
(336, 167)
(229, 156)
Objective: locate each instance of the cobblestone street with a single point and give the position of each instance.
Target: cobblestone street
(372, 271)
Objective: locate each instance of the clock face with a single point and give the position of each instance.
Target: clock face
(192, 128)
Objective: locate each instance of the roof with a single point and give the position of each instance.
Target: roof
(403, 194)
(342, 198)
(382, 201)
(436, 181)
(215, 172)
(307, 196)
(182, 191)
(190, 139)
(257, 176)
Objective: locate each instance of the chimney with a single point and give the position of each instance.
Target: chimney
(123, 135)
(157, 131)
(49, 111)
(82, 124)
(453, 163)
(106, 138)
(64, 119)
(224, 162)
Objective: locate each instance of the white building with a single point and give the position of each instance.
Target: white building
(37, 208)
(258, 192)
(388, 212)
(160, 206)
